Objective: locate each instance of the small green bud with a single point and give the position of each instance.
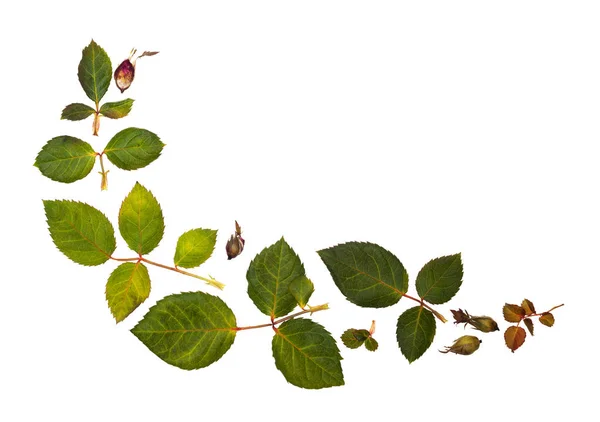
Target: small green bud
(484, 324)
(465, 345)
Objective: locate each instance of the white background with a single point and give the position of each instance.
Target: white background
(429, 128)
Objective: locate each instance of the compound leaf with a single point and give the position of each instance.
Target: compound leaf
(513, 313)
(127, 288)
(94, 72)
(133, 148)
(77, 111)
(194, 247)
(269, 277)
(302, 289)
(415, 332)
(353, 338)
(547, 319)
(514, 337)
(367, 274)
(307, 355)
(80, 231)
(117, 109)
(439, 280)
(141, 221)
(188, 330)
(66, 159)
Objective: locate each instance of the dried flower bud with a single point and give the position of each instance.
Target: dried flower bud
(465, 345)
(125, 73)
(235, 244)
(460, 316)
(484, 324)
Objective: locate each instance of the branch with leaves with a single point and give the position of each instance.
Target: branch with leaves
(195, 329)
(67, 159)
(87, 237)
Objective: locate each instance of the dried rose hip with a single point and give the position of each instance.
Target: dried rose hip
(125, 73)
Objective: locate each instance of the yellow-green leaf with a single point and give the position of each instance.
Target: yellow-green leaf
(194, 247)
(127, 288)
(94, 72)
(77, 111)
(133, 148)
(66, 159)
(269, 277)
(117, 109)
(307, 355)
(80, 231)
(141, 221)
(188, 330)
(302, 289)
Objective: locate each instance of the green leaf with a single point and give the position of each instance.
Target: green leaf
(513, 313)
(269, 277)
(66, 159)
(302, 289)
(117, 109)
(415, 332)
(547, 319)
(194, 247)
(371, 344)
(133, 148)
(80, 231)
(529, 324)
(367, 274)
(353, 338)
(188, 330)
(127, 288)
(307, 355)
(141, 221)
(77, 111)
(439, 280)
(528, 306)
(514, 337)
(95, 72)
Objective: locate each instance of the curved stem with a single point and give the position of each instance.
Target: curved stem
(420, 301)
(540, 314)
(211, 281)
(311, 309)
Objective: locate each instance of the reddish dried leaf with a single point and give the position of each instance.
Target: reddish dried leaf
(514, 337)
(528, 306)
(513, 313)
(529, 324)
(547, 319)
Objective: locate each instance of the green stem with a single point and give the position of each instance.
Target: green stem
(104, 182)
(211, 281)
(436, 313)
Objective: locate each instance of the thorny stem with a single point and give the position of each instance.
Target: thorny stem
(436, 313)
(211, 281)
(104, 183)
(274, 322)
